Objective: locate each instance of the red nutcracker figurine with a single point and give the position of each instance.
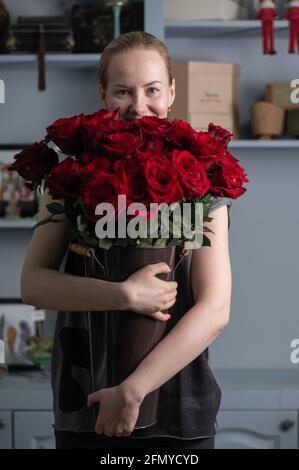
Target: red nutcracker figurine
(267, 14)
(293, 17)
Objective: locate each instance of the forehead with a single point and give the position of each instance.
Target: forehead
(137, 66)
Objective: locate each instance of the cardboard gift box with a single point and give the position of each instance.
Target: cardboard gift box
(201, 122)
(205, 90)
(206, 10)
(280, 95)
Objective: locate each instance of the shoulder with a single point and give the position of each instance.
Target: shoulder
(218, 202)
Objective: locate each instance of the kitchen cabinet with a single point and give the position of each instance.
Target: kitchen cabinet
(26, 417)
(259, 410)
(33, 430)
(257, 430)
(5, 429)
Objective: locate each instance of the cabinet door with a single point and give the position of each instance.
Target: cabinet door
(33, 430)
(257, 430)
(5, 430)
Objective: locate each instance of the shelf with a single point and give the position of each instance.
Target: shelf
(242, 143)
(57, 60)
(214, 28)
(18, 223)
(265, 144)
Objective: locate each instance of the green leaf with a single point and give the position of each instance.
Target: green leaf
(206, 241)
(46, 220)
(105, 243)
(173, 242)
(144, 243)
(206, 229)
(81, 224)
(121, 242)
(55, 208)
(42, 222)
(160, 242)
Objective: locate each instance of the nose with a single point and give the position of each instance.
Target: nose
(137, 106)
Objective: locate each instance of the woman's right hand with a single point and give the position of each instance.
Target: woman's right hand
(147, 294)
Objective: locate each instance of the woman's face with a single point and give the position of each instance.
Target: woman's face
(137, 83)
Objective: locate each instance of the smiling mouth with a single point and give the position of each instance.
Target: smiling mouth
(138, 117)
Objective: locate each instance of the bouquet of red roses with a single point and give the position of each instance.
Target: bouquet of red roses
(99, 162)
(87, 160)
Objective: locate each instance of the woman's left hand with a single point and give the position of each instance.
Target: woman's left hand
(118, 411)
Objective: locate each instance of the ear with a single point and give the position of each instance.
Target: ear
(171, 93)
(102, 94)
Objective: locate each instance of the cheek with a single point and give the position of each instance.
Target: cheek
(113, 102)
(160, 107)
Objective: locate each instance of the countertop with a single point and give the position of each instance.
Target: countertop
(241, 390)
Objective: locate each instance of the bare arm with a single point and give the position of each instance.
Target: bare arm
(200, 326)
(44, 286)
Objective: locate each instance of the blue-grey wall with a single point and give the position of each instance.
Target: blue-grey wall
(264, 222)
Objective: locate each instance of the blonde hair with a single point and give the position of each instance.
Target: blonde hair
(127, 42)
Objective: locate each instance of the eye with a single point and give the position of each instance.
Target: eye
(153, 90)
(121, 92)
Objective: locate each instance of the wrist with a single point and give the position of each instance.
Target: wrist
(132, 390)
(125, 296)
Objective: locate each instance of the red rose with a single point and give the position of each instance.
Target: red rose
(221, 134)
(97, 163)
(102, 123)
(227, 180)
(103, 187)
(153, 132)
(120, 144)
(153, 143)
(34, 162)
(129, 166)
(162, 181)
(207, 149)
(182, 135)
(131, 169)
(191, 173)
(65, 133)
(230, 157)
(154, 126)
(65, 180)
(104, 113)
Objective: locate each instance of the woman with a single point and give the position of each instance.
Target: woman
(136, 75)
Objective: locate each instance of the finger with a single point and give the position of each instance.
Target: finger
(173, 284)
(170, 304)
(161, 316)
(120, 432)
(158, 268)
(108, 432)
(93, 398)
(167, 299)
(171, 289)
(170, 286)
(99, 429)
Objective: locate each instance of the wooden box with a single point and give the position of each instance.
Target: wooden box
(205, 90)
(201, 122)
(280, 95)
(206, 10)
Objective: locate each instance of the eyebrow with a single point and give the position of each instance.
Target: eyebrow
(125, 86)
